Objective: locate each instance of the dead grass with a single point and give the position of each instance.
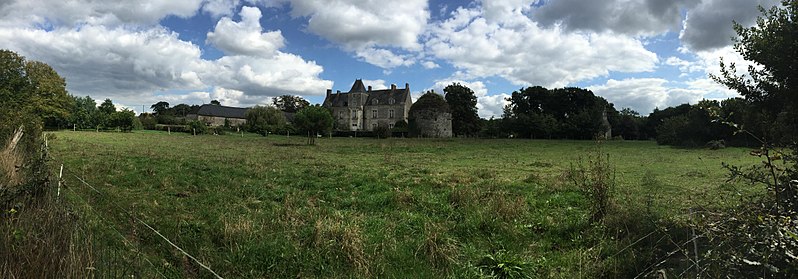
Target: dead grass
(437, 247)
(341, 237)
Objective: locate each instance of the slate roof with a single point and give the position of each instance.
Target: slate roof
(222, 111)
(399, 95)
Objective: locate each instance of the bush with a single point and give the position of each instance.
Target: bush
(197, 127)
(716, 144)
(596, 179)
(382, 132)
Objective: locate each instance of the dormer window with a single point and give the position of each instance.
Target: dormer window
(375, 102)
(391, 101)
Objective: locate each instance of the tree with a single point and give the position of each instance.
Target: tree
(265, 119)
(160, 107)
(215, 103)
(313, 120)
(290, 103)
(122, 119)
(49, 98)
(82, 112)
(463, 105)
(770, 85)
(181, 110)
(34, 88)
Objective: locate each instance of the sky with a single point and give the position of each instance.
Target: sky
(638, 54)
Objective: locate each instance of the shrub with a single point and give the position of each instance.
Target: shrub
(596, 179)
(716, 144)
(382, 132)
(197, 127)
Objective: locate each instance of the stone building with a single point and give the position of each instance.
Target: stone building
(364, 109)
(430, 117)
(216, 115)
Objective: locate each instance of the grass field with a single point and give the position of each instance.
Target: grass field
(270, 207)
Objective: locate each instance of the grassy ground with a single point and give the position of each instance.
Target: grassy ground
(258, 207)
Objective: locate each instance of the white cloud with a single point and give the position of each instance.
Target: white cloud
(219, 8)
(384, 58)
(487, 106)
(645, 94)
(376, 84)
(429, 65)
(631, 17)
(129, 63)
(78, 12)
(520, 51)
(245, 37)
(359, 24)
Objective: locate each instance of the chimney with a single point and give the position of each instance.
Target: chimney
(337, 91)
(393, 86)
(407, 86)
(329, 92)
(369, 88)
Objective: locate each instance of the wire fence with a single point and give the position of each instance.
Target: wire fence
(127, 213)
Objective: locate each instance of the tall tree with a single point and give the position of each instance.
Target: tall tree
(49, 98)
(313, 120)
(265, 120)
(771, 85)
(160, 107)
(463, 105)
(181, 110)
(290, 103)
(82, 111)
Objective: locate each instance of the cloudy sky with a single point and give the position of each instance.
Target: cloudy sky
(639, 54)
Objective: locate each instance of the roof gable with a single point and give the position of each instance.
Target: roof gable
(358, 86)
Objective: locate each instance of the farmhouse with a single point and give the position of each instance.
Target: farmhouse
(363, 108)
(216, 115)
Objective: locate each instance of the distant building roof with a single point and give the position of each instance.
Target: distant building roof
(222, 111)
(383, 96)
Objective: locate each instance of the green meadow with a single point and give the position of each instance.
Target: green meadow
(271, 207)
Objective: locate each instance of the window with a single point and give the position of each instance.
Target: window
(374, 113)
(374, 102)
(390, 114)
(354, 124)
(340, 115)
(391, 101)
(390, 126)
(346, 104)
(373, 126)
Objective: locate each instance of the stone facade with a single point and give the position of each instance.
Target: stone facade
(364, 109)
(430, 123)
(216, 115)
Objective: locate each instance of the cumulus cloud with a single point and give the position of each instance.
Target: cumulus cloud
(376, 84)
(632, 17)
(429, 65)
(522, 52)
(487, 105)
(131, 62)
(70, 13)
(709, 25)
(645, 94)
(245, 37)
(384, 58)
(358, 24)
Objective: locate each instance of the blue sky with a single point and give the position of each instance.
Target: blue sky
(639, 54)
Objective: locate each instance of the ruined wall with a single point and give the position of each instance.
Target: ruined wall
(430, 123)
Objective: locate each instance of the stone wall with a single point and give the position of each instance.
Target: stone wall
(430, 124)
(215, 121)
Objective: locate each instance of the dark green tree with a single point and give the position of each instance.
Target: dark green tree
(265, 119)
(314, 120)
(463, 105)
(181, 110)
(160, 107)
(216, 103)
(771, 85)
(289, 103)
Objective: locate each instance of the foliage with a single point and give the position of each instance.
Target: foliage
(35, 88)
(382, 132)
(197, 127)
(148, 121)
(313, 119)
(123, 119)
(216, 103)
(596, 179)
(501, 265)
(289, 103)
(430, 101)
(160, 107)
(463, 105)
(572, 113)
(265, 119)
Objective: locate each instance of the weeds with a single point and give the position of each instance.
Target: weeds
(595, 178)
